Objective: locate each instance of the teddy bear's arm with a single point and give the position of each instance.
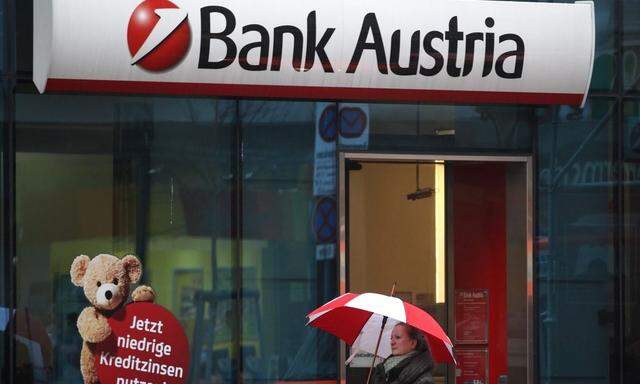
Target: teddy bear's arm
(143, 293)
(93, 326)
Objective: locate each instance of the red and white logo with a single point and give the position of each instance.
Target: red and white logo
(158, 35)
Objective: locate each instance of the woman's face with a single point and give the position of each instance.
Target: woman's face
(400, 341)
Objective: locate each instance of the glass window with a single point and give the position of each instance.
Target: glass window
(158, 177)
(444, 128)
(3, 38)
(190, 247)
(631, 45)
(24, 35)
(575, 229)
(604, 65)
(631, 249)
(285, 266)
(118, 175)
(5, 312)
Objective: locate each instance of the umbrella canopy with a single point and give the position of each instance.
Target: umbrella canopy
(357, 318)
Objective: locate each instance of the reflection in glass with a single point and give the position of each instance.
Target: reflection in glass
(3, 38)
(631, 45)
(448, 128)
(283, 277)
(4, 262)
(189, 253)
(575, 229)
(631, 233)
(604, 73)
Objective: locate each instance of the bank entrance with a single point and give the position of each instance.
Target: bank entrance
(454, 234)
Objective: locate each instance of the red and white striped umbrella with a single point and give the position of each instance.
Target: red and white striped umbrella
(357, 319)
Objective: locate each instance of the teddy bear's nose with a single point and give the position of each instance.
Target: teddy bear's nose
(108, 295)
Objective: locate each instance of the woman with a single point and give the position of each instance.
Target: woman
(410, 361)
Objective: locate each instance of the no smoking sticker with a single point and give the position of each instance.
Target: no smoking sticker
(147, 345)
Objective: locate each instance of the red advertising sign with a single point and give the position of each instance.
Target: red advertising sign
(147, 344)
(472, 316)
(473, 366)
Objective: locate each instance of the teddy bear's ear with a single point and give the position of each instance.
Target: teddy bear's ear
(133, 266)
(78, 269)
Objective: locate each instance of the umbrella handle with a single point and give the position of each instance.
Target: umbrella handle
(384, 322)
(373, 360)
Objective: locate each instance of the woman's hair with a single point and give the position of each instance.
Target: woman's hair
(415, 334)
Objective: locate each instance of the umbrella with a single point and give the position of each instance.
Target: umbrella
(358, 319)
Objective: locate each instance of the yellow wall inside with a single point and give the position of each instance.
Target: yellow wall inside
(391, 239)
(60, 197)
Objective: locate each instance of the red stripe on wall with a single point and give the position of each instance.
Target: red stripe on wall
(480, 260)
(291, 92)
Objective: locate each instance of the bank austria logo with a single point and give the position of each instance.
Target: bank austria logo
(158, 35)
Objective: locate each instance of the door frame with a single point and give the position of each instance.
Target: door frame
(527, 161)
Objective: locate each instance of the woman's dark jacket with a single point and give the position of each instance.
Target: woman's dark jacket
(412, 370)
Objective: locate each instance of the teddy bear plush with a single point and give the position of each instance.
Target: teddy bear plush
(106, 282)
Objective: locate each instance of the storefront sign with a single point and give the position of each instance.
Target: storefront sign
(472, 316)
(473, 366)
(441, 51)
(147, 345)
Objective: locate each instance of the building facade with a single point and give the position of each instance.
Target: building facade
(219, 199)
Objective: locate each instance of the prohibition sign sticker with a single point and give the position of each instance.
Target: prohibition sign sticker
(325, 220)
(147, 345)
(327, 127)
(353, 121)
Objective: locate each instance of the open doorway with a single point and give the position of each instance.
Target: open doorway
(454, 233)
